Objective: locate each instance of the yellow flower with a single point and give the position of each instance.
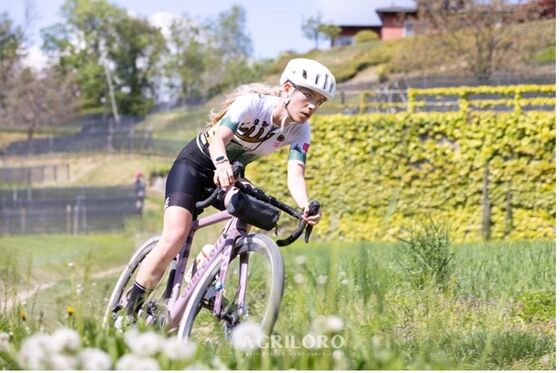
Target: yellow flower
(70, 310)
(22, 315)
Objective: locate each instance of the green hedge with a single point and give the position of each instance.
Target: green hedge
(376, 174)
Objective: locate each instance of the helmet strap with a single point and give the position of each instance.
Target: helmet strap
(287, 117)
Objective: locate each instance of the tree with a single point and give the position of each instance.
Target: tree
(185, 64)
(11, 41)
(134, 47)
(329, 31)
(228, 50)
(40, 99)
(316, 30)
(311, 28)
(98, 37)
(478, 33)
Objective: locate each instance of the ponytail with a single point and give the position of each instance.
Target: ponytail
(258, 88)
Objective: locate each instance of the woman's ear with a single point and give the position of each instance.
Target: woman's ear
(287, 90)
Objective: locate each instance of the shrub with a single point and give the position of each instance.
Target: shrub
(537, 305)
(365, 36)
(425, 255)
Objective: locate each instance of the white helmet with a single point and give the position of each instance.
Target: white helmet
(310, 74)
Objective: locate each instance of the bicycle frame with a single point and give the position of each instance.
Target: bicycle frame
(232, 231)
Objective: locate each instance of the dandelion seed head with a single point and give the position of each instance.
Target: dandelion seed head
(321, 280)
(246, 336)
(34, 352)
(328, 324)
(62, 362)
(79, 289)
(65, 339)
(338, 355)
(143, 344)
(135, 362)
(71, 264)
(300, 260)
(94, 359)
(344, 282)
(197, 366)
(176, 349)
(298, 278)
(218, 364)
(4, 341)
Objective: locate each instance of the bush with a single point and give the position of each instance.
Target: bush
(376, 173)
(537, 305)
(365, 36)
(425, 255)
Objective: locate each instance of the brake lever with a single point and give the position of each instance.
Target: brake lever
(314, 207)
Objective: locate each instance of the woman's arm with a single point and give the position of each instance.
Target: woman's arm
(298, 190)
(223, 176)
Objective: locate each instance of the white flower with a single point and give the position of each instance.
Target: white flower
(328, 324)
(337, 355)
(342, 274)
(62, 362)
(94, 359)
(70, 264)
(344, 282)
(197, 366)
(143, 344)
(218, 364)
(4, 341)
(246, 336)
(298, 278)
(176, 349)
(79, 289)
(34, 352)
(134, 362)
(65, 339)
(322, 280)
(300, 260)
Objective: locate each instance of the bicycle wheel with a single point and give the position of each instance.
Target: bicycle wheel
(154, 309)
(264, 286)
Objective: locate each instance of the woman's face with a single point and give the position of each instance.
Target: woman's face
(303, 104)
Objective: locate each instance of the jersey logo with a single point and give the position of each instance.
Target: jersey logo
(305, 147)
(248, 132)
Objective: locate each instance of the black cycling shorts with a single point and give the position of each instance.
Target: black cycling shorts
(191, 174)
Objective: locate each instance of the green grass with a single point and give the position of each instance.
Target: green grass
(481, 321)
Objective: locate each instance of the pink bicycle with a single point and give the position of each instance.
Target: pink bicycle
(242, 279)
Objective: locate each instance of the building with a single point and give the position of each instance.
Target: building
(391, 22)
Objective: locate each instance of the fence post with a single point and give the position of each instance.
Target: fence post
(69, 218)
(486, 206)
(411, 100)
(76, 220)
(131, 142)
(23, 219)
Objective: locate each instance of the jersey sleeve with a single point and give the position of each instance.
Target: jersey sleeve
(240, 110)
(300, 145)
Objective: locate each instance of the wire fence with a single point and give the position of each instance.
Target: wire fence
(35, 174)
(69, 210)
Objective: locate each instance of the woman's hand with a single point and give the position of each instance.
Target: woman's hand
(223, 176)
(311, 220)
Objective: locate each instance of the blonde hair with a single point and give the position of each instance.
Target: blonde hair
(259, 88)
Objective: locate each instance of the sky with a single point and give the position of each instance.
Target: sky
(274, 26)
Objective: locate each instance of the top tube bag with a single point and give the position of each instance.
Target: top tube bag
(253, 211)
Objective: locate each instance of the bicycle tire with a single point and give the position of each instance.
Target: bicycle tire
(253, 243)
(127, 278)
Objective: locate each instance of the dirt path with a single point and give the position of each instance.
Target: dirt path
(24, 295)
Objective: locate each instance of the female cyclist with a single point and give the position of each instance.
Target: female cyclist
(254, 121)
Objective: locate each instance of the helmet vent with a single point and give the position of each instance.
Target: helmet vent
(316, 78)
(326, 81)
(304, 74)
